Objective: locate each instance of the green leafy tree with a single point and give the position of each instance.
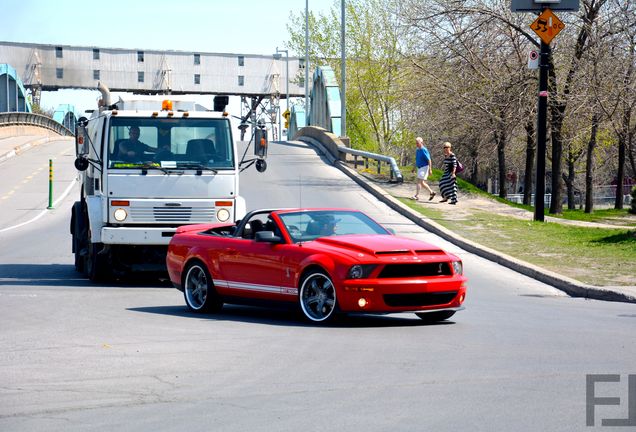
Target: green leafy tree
(374, 55)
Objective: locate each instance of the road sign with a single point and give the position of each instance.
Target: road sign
(547, 26)
(538, 5)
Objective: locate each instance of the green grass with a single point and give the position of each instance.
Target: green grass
(596, 256)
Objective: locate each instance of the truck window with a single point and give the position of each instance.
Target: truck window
(175, 143)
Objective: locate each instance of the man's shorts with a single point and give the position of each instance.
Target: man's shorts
(422, 173)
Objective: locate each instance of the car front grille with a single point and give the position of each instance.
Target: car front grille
(419, 299)
(415, 270)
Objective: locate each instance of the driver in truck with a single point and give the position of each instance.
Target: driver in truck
(132, 149)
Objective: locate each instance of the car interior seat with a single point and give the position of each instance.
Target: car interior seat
(200, 149)
(256, 226)
(313, 228)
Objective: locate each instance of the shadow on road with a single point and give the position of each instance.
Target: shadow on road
(64, 275)
(290, 318)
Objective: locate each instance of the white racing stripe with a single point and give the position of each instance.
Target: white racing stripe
(254, 287)
(64, 194)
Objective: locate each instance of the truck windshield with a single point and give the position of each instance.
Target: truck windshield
(170, 143)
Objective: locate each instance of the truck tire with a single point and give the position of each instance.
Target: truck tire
(79, 233)
(96, 263)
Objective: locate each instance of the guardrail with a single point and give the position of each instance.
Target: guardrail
(32, 119)
(338, 150)
(394, 169)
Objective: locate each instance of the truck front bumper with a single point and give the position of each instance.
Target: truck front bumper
(137, 236)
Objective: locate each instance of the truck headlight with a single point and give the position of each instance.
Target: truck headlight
(120, 214)
(222, 215)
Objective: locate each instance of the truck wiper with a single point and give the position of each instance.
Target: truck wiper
(146, 166)
(195, 165)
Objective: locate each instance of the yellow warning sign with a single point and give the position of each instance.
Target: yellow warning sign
(547, 26)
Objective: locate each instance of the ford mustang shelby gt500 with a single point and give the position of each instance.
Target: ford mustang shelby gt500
(324, 260)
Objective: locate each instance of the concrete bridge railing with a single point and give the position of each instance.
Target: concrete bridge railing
(8, 119)
(338, 149)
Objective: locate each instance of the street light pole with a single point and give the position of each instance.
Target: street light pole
(343, 73)
(306, 62)
(286, 78)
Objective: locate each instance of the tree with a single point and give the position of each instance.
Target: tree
(374, 73)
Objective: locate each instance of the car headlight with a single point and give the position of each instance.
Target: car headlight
(360, 271)
(458, 267)
(120, 214)
(222, 215)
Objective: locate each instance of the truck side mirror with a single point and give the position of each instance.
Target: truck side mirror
(81, 163)
(81, 137)
(260, 141)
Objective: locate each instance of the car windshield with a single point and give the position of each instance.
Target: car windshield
(309, 225)
(170, 143)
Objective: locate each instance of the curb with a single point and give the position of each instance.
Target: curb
(570, 286)
(22, 148)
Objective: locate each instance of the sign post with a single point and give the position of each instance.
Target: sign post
(546, 26)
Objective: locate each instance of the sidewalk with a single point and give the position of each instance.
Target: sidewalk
(13, 146)
(388, 192)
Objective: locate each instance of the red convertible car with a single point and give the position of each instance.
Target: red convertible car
(323, 260)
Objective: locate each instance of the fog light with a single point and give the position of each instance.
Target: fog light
(362, 302)
(222, 215)
(120, 214)
(461, 298)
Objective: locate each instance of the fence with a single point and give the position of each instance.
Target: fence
(603, 196)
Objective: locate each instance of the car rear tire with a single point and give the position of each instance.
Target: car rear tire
(433, 317)
(317, 297)
(198, 289)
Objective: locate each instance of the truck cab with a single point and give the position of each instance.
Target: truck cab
(148, 165)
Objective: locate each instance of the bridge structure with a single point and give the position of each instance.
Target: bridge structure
(13, 95)
(260, 80)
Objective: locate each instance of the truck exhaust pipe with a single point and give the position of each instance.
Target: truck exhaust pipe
(104, 102)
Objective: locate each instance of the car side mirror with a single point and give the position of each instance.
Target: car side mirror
(267, 237)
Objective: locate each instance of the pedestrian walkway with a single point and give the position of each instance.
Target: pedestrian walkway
(468, 204)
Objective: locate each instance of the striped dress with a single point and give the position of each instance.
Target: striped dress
(448, 184)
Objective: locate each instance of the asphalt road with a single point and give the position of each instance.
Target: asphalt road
(129, 357)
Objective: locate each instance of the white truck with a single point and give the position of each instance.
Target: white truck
(148, 165)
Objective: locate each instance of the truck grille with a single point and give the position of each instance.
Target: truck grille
(172, 214)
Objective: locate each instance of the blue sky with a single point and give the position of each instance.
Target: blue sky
(244, 26)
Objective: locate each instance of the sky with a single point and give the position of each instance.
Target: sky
(217, 26)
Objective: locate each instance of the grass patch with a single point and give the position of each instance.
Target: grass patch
(596, 256)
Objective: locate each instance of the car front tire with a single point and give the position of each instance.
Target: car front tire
(317, 297)
(198, 290)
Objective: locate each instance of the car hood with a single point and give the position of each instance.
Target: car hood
(378, 245)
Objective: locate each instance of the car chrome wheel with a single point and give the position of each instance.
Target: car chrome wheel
(317, 297)
(198, 290)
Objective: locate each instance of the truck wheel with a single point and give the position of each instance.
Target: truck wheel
(95, 263)
(78, 230)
